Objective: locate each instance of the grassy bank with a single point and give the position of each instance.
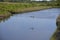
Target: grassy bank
(7, 7)
(56, 35)
(53, 36)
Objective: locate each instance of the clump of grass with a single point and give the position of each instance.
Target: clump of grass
(4, 13)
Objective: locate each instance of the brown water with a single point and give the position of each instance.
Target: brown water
(39, 25)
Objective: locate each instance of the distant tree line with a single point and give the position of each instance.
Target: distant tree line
(13, 0)
(25, 0)
(19, 0)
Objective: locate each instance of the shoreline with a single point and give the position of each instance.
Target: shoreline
(25, 10)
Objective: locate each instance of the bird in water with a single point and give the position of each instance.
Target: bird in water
(32, 28)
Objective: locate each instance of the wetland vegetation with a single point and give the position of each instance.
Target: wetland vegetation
(6, 8)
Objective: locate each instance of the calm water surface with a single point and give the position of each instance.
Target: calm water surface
(39, 25)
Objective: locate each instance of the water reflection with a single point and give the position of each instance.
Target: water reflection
(4, 19)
